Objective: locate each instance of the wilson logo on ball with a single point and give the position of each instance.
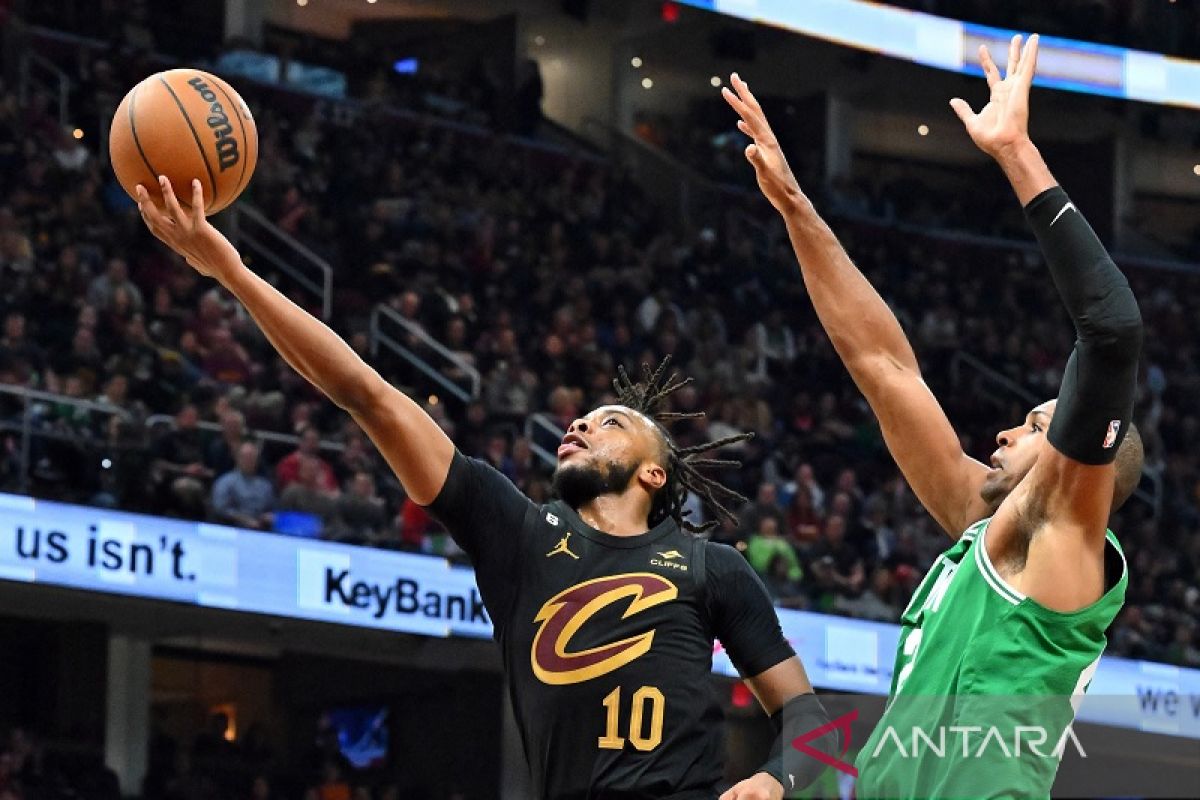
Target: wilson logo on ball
(218, 122)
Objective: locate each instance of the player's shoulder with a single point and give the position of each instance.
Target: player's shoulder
(722, 559)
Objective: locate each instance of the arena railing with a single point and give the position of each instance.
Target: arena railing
(291, 440)
(383, 316)
(687, 195)
(540, 432)
(34, 423)
(962, 362)
(40, 73)
(24, 422)
(254, 234)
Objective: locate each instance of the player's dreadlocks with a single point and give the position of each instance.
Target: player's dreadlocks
(684, 463)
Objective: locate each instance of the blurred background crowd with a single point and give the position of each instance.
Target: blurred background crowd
(543, 269)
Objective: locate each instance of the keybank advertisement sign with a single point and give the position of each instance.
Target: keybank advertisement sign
(220, 567)
(211, 565)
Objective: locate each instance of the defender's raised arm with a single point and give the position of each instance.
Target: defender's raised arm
(1073, 485)
(413, 444)
(867, 337)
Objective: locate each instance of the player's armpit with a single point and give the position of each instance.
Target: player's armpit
(1061, 509)
(923, 443)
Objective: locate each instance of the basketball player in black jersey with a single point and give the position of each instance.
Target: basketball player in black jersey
(604, 605)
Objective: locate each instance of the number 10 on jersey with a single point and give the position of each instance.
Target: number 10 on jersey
(645, 710)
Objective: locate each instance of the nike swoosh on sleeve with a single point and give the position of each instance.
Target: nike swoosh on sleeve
(1068, 207)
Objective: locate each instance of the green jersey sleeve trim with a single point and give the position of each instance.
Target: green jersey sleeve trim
(991, 574)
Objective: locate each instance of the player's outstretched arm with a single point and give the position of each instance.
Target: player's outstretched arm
(746, 623)
(1069, 491)
(867, 337)
(413, 444)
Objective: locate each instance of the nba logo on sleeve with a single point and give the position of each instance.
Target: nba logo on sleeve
(1111, 437)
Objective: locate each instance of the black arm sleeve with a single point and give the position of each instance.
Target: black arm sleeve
(1095, 402)
(485, 515)
(741, 612)
(793, 768)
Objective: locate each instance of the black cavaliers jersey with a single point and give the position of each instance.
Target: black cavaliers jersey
(607, 640)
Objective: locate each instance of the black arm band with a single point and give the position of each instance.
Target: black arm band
(793, 768)
(1095, 401)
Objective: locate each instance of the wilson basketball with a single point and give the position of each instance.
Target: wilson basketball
(185, 124)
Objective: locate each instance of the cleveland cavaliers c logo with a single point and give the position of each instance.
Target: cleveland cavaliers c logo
(565, 613)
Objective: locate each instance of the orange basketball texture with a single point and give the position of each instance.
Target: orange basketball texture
(185, 124)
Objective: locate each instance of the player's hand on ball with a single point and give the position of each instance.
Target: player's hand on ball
(1004, 121)
(775, 177)
(188, 233)
(760, 786)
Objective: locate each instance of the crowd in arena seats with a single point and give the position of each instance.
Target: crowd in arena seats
(213, 767)
(543, 271)
(32, 770)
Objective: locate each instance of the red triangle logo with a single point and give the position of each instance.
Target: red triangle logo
(842, 723)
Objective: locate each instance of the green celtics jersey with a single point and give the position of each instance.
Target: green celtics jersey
(985, 685)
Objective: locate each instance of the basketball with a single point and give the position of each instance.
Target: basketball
(185, 124)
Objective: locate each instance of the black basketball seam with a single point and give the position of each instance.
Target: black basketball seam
(211, 179)
(242, 125)
(138, 143)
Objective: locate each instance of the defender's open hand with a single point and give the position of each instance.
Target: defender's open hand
(1004, 122)
(775, 177)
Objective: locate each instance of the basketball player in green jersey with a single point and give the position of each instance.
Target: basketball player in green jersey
(1006, 630)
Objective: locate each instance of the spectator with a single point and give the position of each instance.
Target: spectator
(115, 278)
(496, 454)
(765, 505)
(774, 345)
(179, 473)
(221, 455)
(15, 344)
(261, 789)
(877, 538)
(803, 521)
(765, 544)
(333, 786)
(785, 591)
(837, 566)
(876, 603)
(360, 511)
(242, 496)
(288, 470)
(225, 360)
(414, 525)
(357, 454)
(308, 494)
(804, 478)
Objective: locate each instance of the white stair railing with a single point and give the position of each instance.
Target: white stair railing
(542, 423)
(34, 401)
(254, 234)
(390, 329)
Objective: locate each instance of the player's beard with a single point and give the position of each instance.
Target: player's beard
(578, 484)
